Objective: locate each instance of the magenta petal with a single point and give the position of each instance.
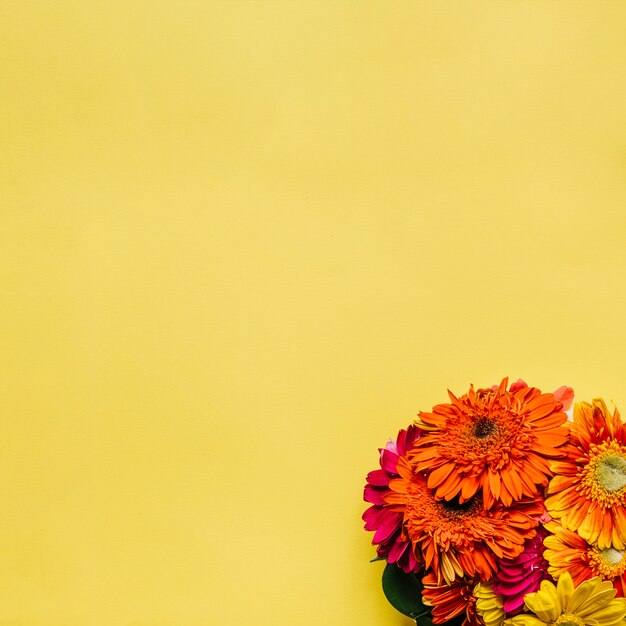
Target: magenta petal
(401, 442)
(509, 576)
(374, 495)
(412, 561)
(524, 557)
(397, 550)
(512, 604)
(518, 588)
(389, 461)
(378, 477)
(372, 517)
(388, 527)
(411, 436)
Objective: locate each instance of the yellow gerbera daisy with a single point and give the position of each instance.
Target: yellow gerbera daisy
(567, 551)
(588, 491)
(489, 605)
(592, 602)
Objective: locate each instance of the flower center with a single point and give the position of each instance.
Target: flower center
(483, 428)
(454, 509)
(603, 477)
(569, 619)
(611, 472)
(612, 556)
(608, 563)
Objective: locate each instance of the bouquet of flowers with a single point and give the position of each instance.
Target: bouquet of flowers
(504, 506)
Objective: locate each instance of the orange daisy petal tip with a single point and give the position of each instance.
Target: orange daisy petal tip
(500, 441)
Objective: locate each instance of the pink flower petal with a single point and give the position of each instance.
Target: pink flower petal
(565, 395)
(397, 550)
(378, 477)
(518, 384)
(389, 461)
(372, 516)
(374, 495)
(386, 529)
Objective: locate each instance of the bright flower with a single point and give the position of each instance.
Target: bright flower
(497, 440)
(592, 603)
(489, 605)
(567, 551)
(458, 539)
(521, 575)
(451, 600)
(392, 543)
(588, 491)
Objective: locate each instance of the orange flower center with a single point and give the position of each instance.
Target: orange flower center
(608, 563)
(604, 476)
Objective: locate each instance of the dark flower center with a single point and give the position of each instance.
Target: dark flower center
(453, 508)
(483, 428)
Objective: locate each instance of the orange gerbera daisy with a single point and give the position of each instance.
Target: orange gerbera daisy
(567, 551)
(450, 600)
(496, 439)
(588, 491)
(454, 538)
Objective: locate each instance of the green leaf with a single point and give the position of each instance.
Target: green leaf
(404, 592)
(377, 558)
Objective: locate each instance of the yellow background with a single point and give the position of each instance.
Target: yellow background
(243, 243)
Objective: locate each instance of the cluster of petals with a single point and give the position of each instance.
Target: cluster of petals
(459, 499)
(587, 500)
(500, 441)
(457, 539)
(450, 600)
(523, 574)
(509, 513)
(564, 604)
(389, 535)
(588, 491)
(567, 551)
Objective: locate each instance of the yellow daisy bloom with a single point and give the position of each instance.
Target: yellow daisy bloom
(591, 603)
(567, 551)
(489, 605)
(588, 491)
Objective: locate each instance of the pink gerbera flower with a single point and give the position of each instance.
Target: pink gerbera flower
(389, 536)
(523, 574)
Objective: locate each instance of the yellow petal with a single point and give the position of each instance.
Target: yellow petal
(597, 602)
(565, 588)
(611, 613)
(524, 620)
(581, 594)
(446, 569)
(546, 602)
(544, 606)
(488, 605)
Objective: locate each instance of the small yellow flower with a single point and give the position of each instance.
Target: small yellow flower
(591, 603)
(489, 605)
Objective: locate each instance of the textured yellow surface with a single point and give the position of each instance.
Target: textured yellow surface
(242, 243)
